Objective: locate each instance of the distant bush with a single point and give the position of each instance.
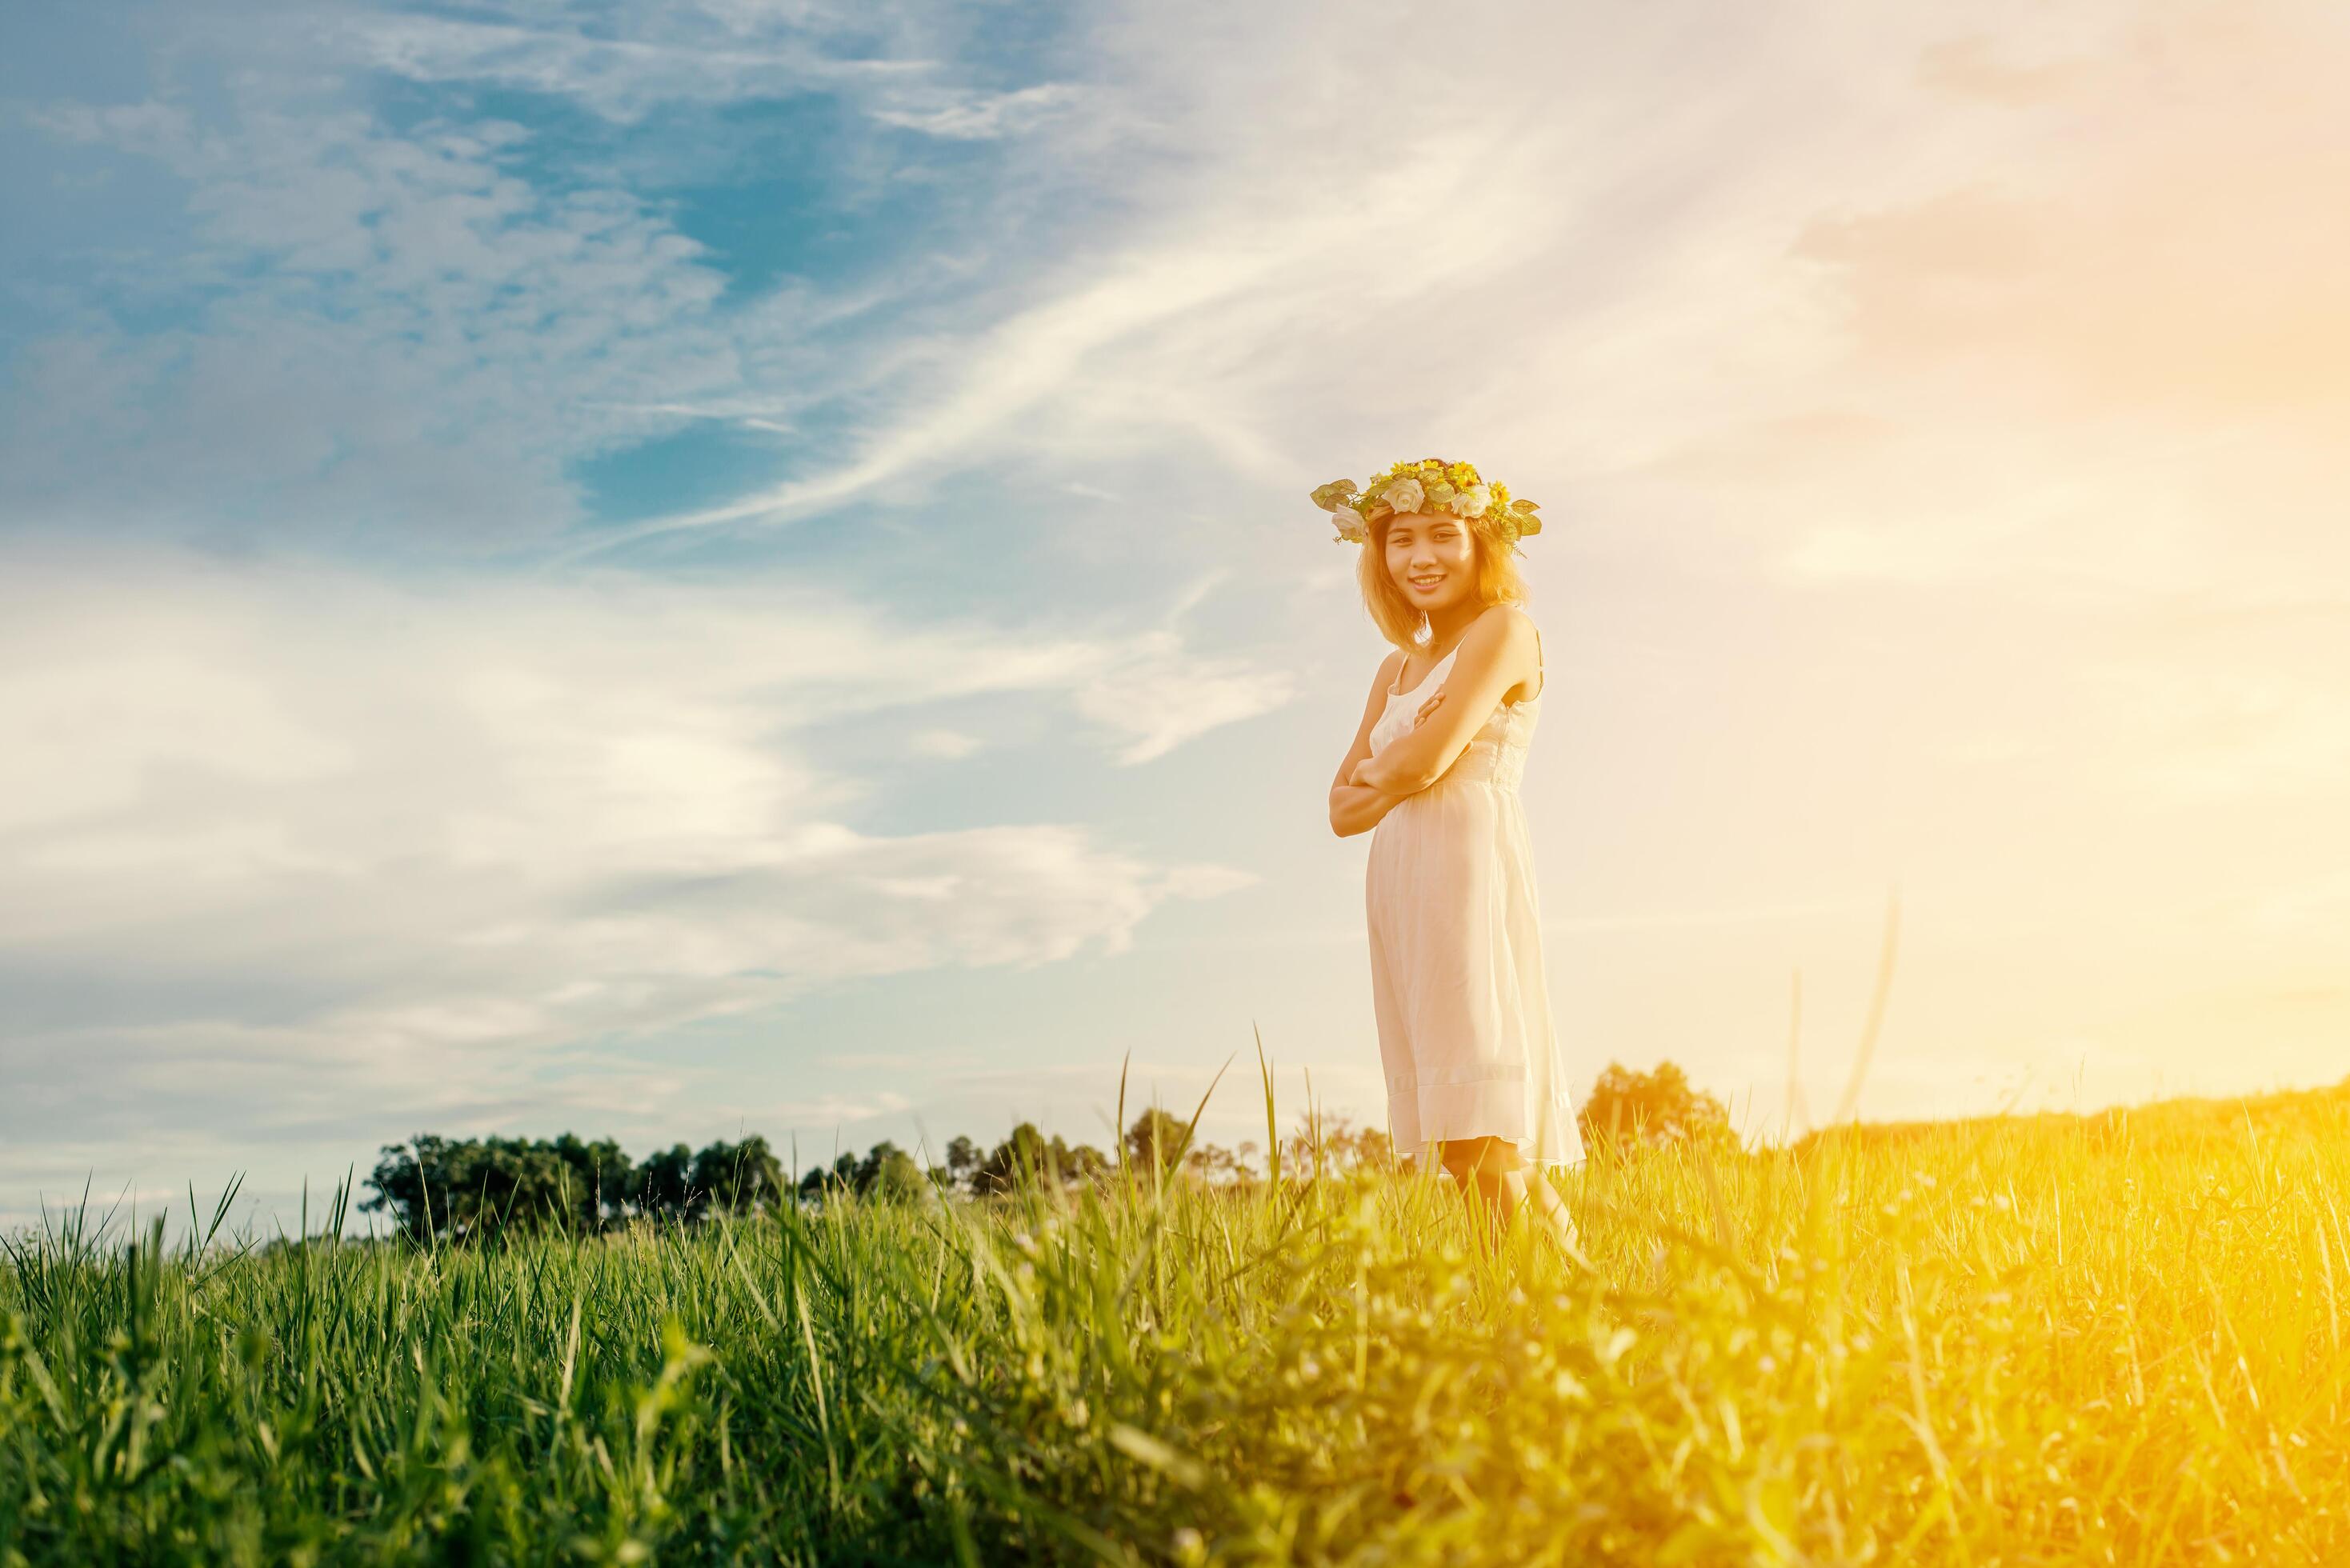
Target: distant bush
(461, 1189)
(887, 1172)
(464, 1189)
(1630, 1111)
(1028, 1158)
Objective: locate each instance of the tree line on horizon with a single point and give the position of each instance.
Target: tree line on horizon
(455, 1189)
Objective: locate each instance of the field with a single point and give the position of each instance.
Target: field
(2111, 1339)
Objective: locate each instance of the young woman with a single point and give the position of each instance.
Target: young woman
(1456, 981)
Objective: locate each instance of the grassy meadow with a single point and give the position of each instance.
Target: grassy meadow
(2110, 1339)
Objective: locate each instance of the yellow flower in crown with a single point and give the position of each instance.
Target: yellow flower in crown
(1431, 484)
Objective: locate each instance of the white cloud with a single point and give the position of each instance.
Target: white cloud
(1199, 328)
(1169, 698)
(947, 744)
(358, 292)
(412, 839)
(832, 1109)
(620, 77)
(1282, 227)
(372, 332)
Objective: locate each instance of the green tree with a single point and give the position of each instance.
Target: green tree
(963, 1158)
(840, 1175)
(1343, 1147)
(606, 1178)
(739, 1177)
(1629, 1111)
(462, 1190)
(414, 1189)
(1156, 1137)
(1027, 1155)
(888, 1173)
(664, 1184)
(1079, 1161)
(1018, 1160)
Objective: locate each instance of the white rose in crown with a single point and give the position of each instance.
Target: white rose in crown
(1473, 501)
(1405, 495)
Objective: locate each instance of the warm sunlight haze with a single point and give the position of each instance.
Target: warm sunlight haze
(595, 599)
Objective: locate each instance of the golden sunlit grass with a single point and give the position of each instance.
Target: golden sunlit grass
(2057, 1340)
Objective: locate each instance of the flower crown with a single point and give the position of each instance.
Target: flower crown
(1430, 485)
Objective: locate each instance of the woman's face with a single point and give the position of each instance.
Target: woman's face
(1431, 558)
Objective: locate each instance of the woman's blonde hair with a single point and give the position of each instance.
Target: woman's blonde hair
(1399, 621)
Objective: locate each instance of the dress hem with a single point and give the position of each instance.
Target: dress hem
(1485, 1107)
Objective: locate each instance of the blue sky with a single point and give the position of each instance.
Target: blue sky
(675, 569)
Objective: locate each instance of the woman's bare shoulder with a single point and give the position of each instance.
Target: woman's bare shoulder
(1508, 620)
(1516, 646)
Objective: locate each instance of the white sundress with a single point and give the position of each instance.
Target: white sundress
(1457, 979)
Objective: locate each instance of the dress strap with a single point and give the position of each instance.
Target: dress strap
(1397, 689)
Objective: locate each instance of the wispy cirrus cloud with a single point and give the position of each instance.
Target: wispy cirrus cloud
(662, 55)
(968, 116)
(911, 67)
(348, 288)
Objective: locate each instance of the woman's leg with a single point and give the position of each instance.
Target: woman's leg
(1491, 1185)
(1556, 1218)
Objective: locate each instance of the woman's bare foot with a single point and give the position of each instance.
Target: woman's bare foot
(1557, 1220)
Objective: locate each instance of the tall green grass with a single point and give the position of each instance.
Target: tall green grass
(2105, 1340)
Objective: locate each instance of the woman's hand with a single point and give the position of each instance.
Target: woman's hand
(1355, 775)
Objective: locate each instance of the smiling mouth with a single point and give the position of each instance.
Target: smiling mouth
(1436, 581)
